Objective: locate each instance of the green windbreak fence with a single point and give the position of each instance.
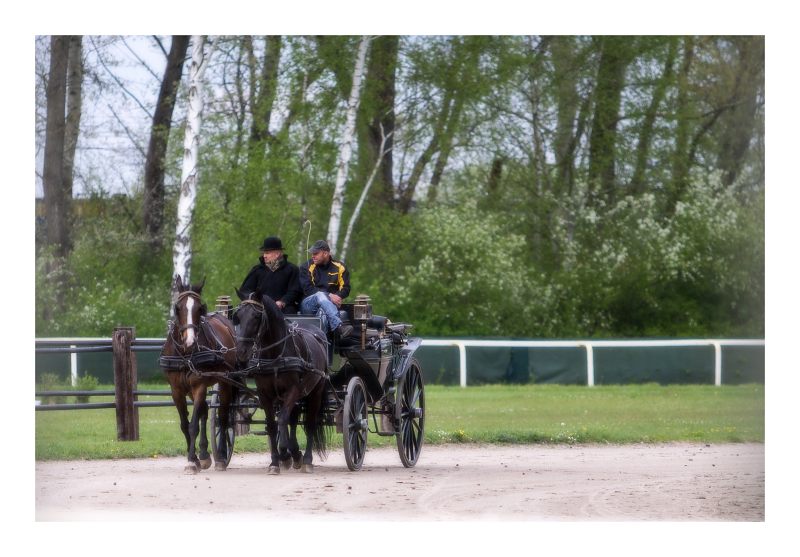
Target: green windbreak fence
(566, 365)
(569, 365)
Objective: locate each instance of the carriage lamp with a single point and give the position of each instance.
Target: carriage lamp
(362, 308)
(223, 305)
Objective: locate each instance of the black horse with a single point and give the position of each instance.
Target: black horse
(292, 364)
(199, 349)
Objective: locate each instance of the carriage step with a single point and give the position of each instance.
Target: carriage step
(258, 433)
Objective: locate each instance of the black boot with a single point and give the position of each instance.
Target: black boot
(343, 330)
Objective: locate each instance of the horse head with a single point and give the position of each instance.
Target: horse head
(256, 323)
(189, 309)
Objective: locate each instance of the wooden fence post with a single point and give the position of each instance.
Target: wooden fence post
(125, 384)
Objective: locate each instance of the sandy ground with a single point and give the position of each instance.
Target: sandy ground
(670, 482)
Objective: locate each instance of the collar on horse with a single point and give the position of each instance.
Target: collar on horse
(280, 362)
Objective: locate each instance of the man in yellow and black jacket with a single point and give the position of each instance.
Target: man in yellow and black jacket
(325, 283)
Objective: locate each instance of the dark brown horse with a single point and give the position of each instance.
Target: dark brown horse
(198, 352)
(292, 364)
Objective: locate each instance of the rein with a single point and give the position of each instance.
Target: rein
(293, 333)
(257, 348)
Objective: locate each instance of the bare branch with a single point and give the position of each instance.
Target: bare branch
(117, 81)
(128, 132)
(138, 58)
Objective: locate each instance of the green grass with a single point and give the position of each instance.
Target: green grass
(486, 414)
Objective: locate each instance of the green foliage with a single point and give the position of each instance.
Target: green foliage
(52, 382)
(467, 279)
(86, 382)
(631, 271)
(110, 279)
(515, 243)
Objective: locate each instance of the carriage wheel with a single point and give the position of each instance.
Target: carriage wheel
(230, 431)
(355, 424)
(410, 415)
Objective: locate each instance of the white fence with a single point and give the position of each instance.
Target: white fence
(589, 345)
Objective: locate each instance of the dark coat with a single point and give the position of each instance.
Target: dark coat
(333, 278)
(281, 284)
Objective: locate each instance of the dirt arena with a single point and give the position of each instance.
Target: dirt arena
(666, 482)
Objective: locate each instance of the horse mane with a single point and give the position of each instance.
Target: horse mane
(273, 311)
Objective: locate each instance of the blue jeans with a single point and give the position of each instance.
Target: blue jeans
(320, 304)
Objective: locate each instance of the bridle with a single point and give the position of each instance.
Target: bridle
(181, 296)
(204, 333)
(257, 348)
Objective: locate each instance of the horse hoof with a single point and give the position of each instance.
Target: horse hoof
(286, 464)
(274, 470)
(307, 469)
(190, 469)
(296, 464)
(220, 466)
(205, 463)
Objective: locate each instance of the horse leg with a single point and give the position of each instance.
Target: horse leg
(294, 446)
(179, 399)
(194, 429)
(283, 438)
(202, 409)
(272, 430)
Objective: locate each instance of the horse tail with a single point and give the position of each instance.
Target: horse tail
(315, 427)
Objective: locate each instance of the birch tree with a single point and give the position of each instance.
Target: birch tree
(383, 151)
(182, 250)
(346, 146)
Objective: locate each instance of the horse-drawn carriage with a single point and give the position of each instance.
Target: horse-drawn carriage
(286, 366)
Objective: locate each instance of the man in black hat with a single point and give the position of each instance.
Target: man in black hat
(275, 277)
(325, 283)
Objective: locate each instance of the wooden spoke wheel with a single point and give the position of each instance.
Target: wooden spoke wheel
(216, 431)
(355, 424)
(410, 415)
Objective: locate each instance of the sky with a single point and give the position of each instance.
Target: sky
(114, 117)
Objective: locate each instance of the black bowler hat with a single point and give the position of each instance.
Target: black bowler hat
(272, 243)
(319, 245)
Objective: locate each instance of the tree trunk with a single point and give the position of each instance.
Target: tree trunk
(738, 122)
(540, 172)
(568, 100)
(614, 60)
(346, 146)
(680, 159)
(182, 250)
(57, 205)
(648, 123)
(377, 117)
(155, 162)
(445, 146)
(74, 104)
(262, 91)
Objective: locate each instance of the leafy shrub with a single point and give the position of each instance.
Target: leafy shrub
(51, 382)
(86, 382)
